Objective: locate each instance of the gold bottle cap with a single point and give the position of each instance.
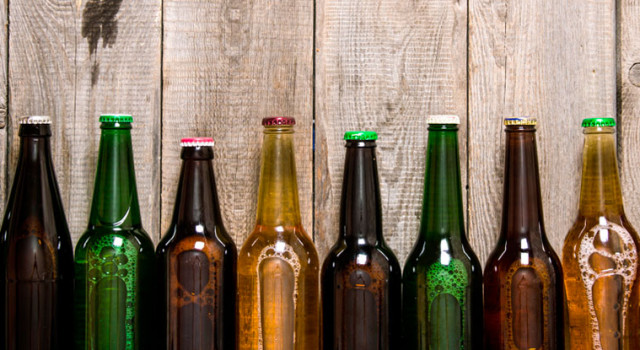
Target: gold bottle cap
(520, 121)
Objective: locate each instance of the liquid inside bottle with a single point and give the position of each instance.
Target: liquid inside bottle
(278, 293)
(523, 290)
(36, 250)
(442, 304)
(361, 278)
(600, 254)
(115, 263)
(198, 261)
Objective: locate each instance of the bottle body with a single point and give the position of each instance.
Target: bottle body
(278, 290)
(197, 263)
(442, 281)
(523, 290)
(361, 278)
(36, 252)
(600, 256)
(115, 261)
(278, 296)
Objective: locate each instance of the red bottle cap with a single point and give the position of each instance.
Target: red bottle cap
(278, 121)
(196, 142)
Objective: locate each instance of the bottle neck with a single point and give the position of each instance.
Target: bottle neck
(115, 198)
(522, 204)
(35, 150)
(442, 214)
(360, 206)
(600, 194)
(278, 190)
(197, 210)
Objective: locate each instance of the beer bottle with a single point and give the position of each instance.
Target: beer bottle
(197, 261)
(523, 293)
(442, 304)
(115, 262)
(600, 254)
(36, 251)
(278, 264)
(361, 278)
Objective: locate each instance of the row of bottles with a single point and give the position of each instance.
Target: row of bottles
(195, 291)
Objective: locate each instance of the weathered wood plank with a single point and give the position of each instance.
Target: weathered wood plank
(74, 60)
(553, 60)
(228, 64)
(629, 105)
(384, 65)
(4, 36)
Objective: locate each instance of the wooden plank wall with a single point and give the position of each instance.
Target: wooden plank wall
(216, 67)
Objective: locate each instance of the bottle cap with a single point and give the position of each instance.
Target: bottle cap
(35, 119)
(443, 119)
(360, 135)
(197, 142)
(598, 122)
(520, 121)
(278, 121)
(116, 118)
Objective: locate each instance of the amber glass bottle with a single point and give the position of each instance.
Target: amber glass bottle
(197, 261)
(523, 294)
(442, 282)
(600, 254)
(278, 265)
(361, 277)
(35, 251)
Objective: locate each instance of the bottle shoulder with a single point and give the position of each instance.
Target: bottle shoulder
(344, 256)
(101, 237)
(280, 239)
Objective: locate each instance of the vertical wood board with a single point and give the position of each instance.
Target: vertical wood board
(384, 66)
(228, 64)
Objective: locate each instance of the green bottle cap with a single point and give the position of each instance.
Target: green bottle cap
(116, 118)
(361, 135)
(598, 122)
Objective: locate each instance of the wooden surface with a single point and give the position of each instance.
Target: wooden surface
(240, 62)
(75, 60)
(385, 65)
(215, 68)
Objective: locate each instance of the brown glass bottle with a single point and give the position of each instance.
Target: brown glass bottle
(198, 261)
(600, 253)
(361, 278)
(36, 250)
(523, 293)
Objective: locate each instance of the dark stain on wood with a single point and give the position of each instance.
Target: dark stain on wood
(99, 22)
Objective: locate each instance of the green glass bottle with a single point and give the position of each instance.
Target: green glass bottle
(114, 260)
(442, 276)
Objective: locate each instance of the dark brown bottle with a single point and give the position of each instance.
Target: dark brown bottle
(198, 261)
(361, 278)
(36, 250)
(523, 289)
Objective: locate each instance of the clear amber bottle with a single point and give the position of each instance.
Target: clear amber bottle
(523, 291)
(600, 253)
(278, 292)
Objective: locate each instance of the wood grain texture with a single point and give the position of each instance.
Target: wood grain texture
(73, 60)
(384, 65)
(4, 32)
(548, 59)
(628, 48)
(228, 64)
